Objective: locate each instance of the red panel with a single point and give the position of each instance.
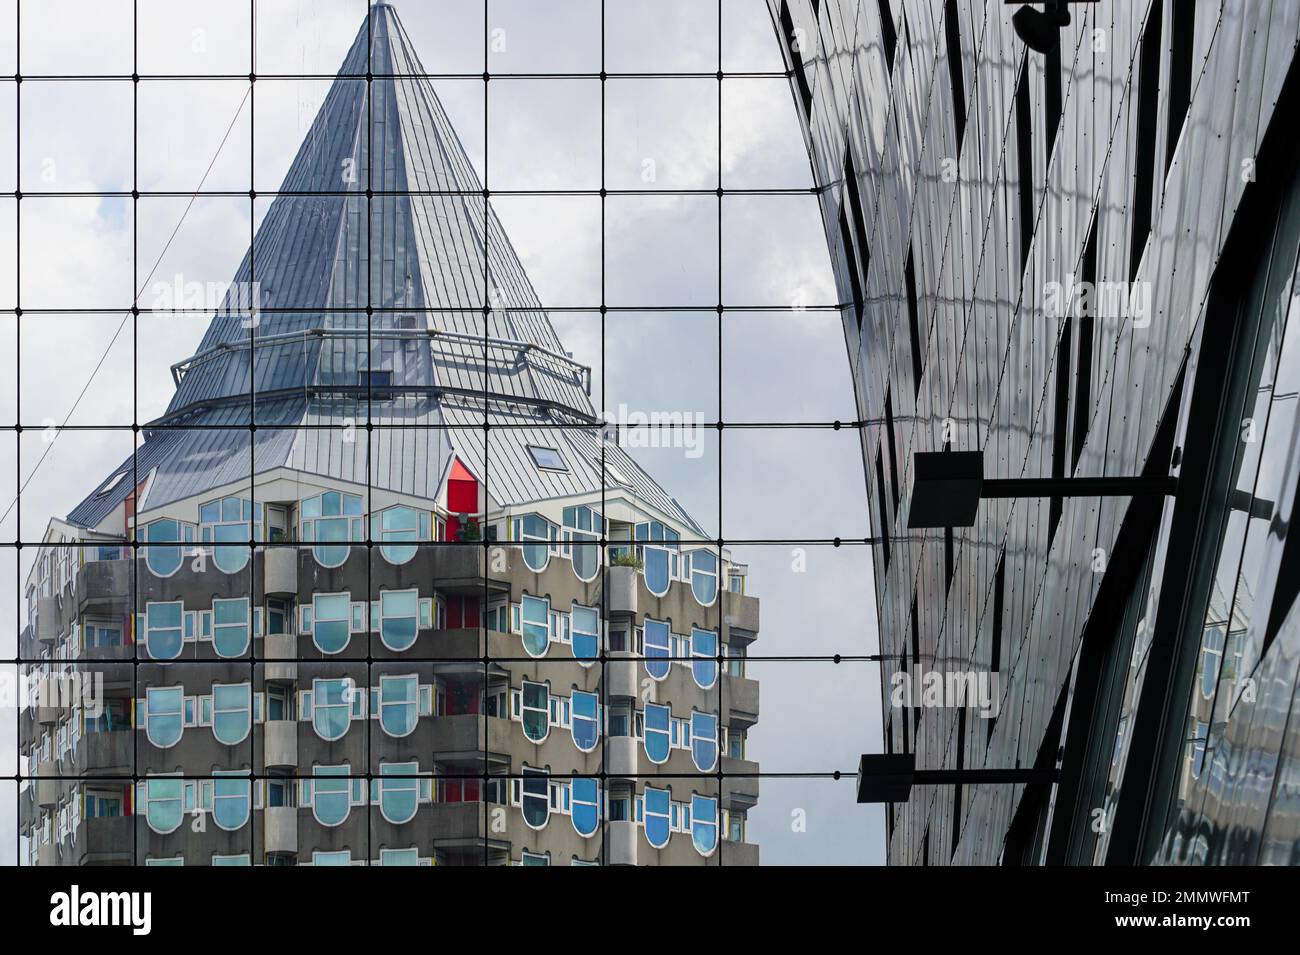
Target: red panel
(462, 491)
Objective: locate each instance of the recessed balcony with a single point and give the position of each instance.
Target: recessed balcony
(280, 571)
(620, 842)
(281, 746)
(280, 824)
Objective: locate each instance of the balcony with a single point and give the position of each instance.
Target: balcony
(620, 673)
(105, 586)
(280, 571)
(622, 755)
(740, 791)
(48, 619)
(740, 696)
(105, 754)
(622, 583)
(740, 612)
(47, 715)
(106, 840)
(739, 853)
(277, 647)
(47, 855)
(281, 745)
(280, 825)
(620, 843)
(47, 784)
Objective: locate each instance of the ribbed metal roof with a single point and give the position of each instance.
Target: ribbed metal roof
(460, 332)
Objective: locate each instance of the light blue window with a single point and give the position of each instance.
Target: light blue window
(331, 796)
(658, 644)
(232, 799)
(164, 561)
(584, 720)
(534, 527)
(657, 809)
(397, 704)
(534, 858)
(331, 624)
(230, 631)
(164, 630)
(585, 806)
(163, 803)
(658, 726)
(341, 857)
(173, 861)
(704, 741)
(399, 856)
(536, 625)
(398, 610)
(330, 521)
(396, 529)
(704, 650)
(225, 523)
(331, 708)
(399, 791)
(164, 722)
(583, 528)
(704, 576)
(704, 824)
(1211, 658)
(232, 712)
(535, 797)
(232, 860)
(535, 700)
(585, 630)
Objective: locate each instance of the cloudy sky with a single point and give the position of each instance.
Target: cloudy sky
(540, 133)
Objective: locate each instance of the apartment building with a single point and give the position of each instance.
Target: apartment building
(379, 587)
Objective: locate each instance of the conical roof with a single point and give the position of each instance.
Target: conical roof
(388, 293)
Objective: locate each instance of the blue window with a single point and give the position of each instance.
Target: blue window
(397, 704)
(547, 459)
(658, 729)
(656, 816)
(536, 625)
(164, 722)
(535, 798)
(536, 528)
(657, 648)
(331, 707)
(399, 856)
(584, 721)
(230, 630)
(331, 797)
(584, 628)
(232, 798)
(704, 824)
(232, 712)
(331, 623)
(163, 560)
(164, 633)
(704, 650)
(399, 791)
(704, 741)
(398, 611)
(228, 524)
(231, 860)
(330, 521)
(341, 857)
(535, 704)
(396, 525)
(656, 570)
(582, 527)
(163, 803)
(704, 576)
(585, 806)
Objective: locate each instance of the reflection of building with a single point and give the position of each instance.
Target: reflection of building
(1080, 263)
(379, 626)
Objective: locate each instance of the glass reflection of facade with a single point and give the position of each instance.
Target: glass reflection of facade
(1082, 263)
(371, 619)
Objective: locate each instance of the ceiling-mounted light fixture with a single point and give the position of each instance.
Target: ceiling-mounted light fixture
(1041, 29)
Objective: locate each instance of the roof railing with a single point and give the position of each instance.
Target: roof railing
(432, 335)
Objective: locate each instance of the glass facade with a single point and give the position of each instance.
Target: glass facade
(1079, 262)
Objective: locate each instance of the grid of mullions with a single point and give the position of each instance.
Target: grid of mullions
(601, 311)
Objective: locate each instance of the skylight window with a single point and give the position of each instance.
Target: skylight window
(113, 482)
(548, 459)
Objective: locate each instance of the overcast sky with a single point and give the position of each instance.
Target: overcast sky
(540, 134)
